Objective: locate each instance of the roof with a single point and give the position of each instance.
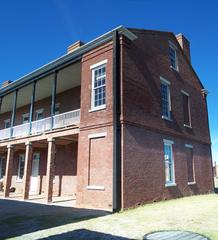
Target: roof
(65, 59)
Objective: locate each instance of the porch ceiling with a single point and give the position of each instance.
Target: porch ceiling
(68, 78)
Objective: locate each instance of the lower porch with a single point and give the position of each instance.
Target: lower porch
(43, 171)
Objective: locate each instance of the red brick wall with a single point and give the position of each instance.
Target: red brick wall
(100, 166)
(143, 179)
(143, 167)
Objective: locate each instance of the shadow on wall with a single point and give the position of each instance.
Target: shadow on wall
(84, 234)
(18, 218)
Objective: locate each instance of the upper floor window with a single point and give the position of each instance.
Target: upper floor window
(165, 99)
(57, 108)
(173, 57)
(186, 109)
(2, 167)
(39, 114)
(98, 99)
(25, 118)
(21, 166)
(7, 123)
(169, 163)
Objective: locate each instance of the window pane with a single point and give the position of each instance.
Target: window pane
(99, 86)
(172, 55)
(165, 100)
(21, 166)
(169, 170)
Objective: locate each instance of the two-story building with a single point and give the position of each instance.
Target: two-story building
(119, 121)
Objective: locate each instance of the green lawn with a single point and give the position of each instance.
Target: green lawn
(197, 213)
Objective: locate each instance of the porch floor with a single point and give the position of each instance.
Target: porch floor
(63, 201)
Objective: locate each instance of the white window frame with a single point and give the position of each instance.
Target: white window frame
(19, 179)
(93, 68)
(24, 116)
(1, 160)
(7, 121)
(174, 48)
(189, 109)
(166, 83)
(191, 147)
(173, 182)
(39, 111)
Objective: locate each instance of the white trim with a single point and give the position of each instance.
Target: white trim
(170, 184)
(188, 126)
(97, 135)
(41, 110)
(188, 145)
(98, 64)
(98, 108)
(95, 187)
(164, 80)
(191, 183)
(184, 92)
(167, 118)
(168, 141)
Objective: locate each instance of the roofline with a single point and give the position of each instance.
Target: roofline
(66, 59)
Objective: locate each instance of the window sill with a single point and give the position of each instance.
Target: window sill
(102, 188)
(166, 118)
(187, 126)
(191, 183)
(98, 108)
(1, 180)
(175, 69)
(19, 180)
(170, 185)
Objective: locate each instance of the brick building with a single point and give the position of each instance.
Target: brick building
(116, 122)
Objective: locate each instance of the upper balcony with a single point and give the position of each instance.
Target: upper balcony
(49, 103)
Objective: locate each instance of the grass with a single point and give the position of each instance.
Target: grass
(197, 213)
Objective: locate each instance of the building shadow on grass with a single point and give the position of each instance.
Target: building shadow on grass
(18, 218)
(84, 234)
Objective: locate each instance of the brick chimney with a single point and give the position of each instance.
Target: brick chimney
(74, 46)
(185, 45)
(6, 83)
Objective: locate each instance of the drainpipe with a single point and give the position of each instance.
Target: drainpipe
(116, 124)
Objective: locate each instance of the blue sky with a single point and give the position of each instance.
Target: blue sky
(33, 33)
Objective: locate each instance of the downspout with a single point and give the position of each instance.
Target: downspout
(116, 124)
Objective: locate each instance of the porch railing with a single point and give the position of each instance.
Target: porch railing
(42, 125)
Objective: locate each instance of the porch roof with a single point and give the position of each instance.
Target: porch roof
(64, 60)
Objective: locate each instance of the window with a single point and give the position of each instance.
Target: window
(173, 57)
(25, 118)
(190, 164)
(186, 109)
(39, 114)
(57, 108)
(21, 167)
(165, 99)
(7, 123)
(2, 167)
(169, 163)
(98, 100)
